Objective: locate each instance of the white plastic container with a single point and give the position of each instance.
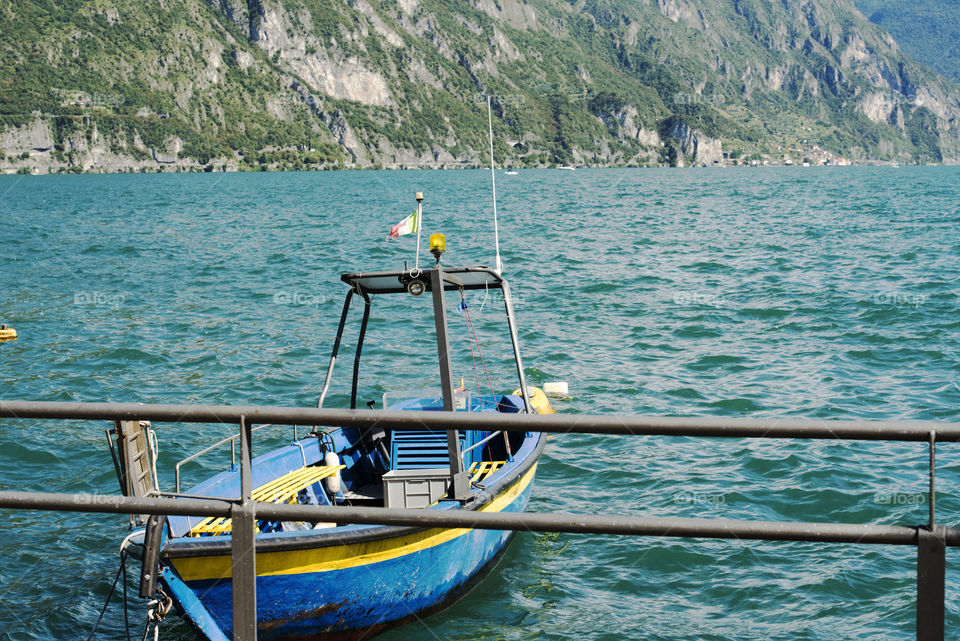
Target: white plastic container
(331, 459)
(556, 389)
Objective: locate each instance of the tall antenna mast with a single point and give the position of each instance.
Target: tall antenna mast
(493, 179)
(416, 262)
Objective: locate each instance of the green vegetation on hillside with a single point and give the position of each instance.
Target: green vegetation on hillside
(927, 30)
(306, 84)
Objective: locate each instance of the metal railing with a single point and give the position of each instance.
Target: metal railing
(930, 540)
(232, 440)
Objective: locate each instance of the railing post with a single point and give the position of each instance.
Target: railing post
(244, 560)
(931, 568)
(932, 496)
(931, 564)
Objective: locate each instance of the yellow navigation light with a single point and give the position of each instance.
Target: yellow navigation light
(438, 245)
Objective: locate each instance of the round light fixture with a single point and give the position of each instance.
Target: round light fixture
(416, 287)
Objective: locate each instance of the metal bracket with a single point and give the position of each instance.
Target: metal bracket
(460, 487)
(150, 564)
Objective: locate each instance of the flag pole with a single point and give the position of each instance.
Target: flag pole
(416, 262)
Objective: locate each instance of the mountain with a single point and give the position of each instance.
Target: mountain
(927, 30)
(109, 85)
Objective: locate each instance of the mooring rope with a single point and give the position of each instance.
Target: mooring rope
(121, 571)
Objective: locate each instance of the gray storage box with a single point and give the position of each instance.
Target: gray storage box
(414, 488)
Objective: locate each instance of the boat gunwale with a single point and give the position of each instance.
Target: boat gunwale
(185, 547)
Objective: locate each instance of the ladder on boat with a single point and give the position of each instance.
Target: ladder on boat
(132, 447)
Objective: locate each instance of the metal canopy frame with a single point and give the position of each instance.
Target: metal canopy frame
(395, 282)
(437, 281)
(367, 284)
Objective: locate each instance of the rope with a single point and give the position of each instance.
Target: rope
(473, 332)
(124, 546)
(113, 587)
(126, 616)
(157, 609)
(476, 374)
(479, 351)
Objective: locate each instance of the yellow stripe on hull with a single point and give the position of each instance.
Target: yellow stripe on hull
(340, 557)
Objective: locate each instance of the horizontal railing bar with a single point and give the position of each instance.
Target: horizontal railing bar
(536, 522)
(108, 504)
(554, 423)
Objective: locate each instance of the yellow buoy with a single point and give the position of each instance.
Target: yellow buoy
(7, 333)
(539, 402)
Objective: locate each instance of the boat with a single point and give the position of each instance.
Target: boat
(340, 581)
(7, 333)
(510, 172)
(566, 167)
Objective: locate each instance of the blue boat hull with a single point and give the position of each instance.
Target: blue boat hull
(348, 591)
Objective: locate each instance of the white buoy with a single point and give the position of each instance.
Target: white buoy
(331, 459)
(556, 389)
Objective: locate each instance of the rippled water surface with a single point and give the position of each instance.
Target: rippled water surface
(805, 292)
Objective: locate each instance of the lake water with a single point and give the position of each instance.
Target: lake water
(787, 292)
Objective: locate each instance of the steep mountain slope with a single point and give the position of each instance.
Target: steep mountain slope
(927, 30)
(108, 84)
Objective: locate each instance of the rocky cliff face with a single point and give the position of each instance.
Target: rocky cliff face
(927, 30)
(359, 83)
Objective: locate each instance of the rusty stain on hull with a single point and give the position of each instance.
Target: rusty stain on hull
(268, 626)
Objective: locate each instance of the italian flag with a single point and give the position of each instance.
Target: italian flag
(408, 225)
